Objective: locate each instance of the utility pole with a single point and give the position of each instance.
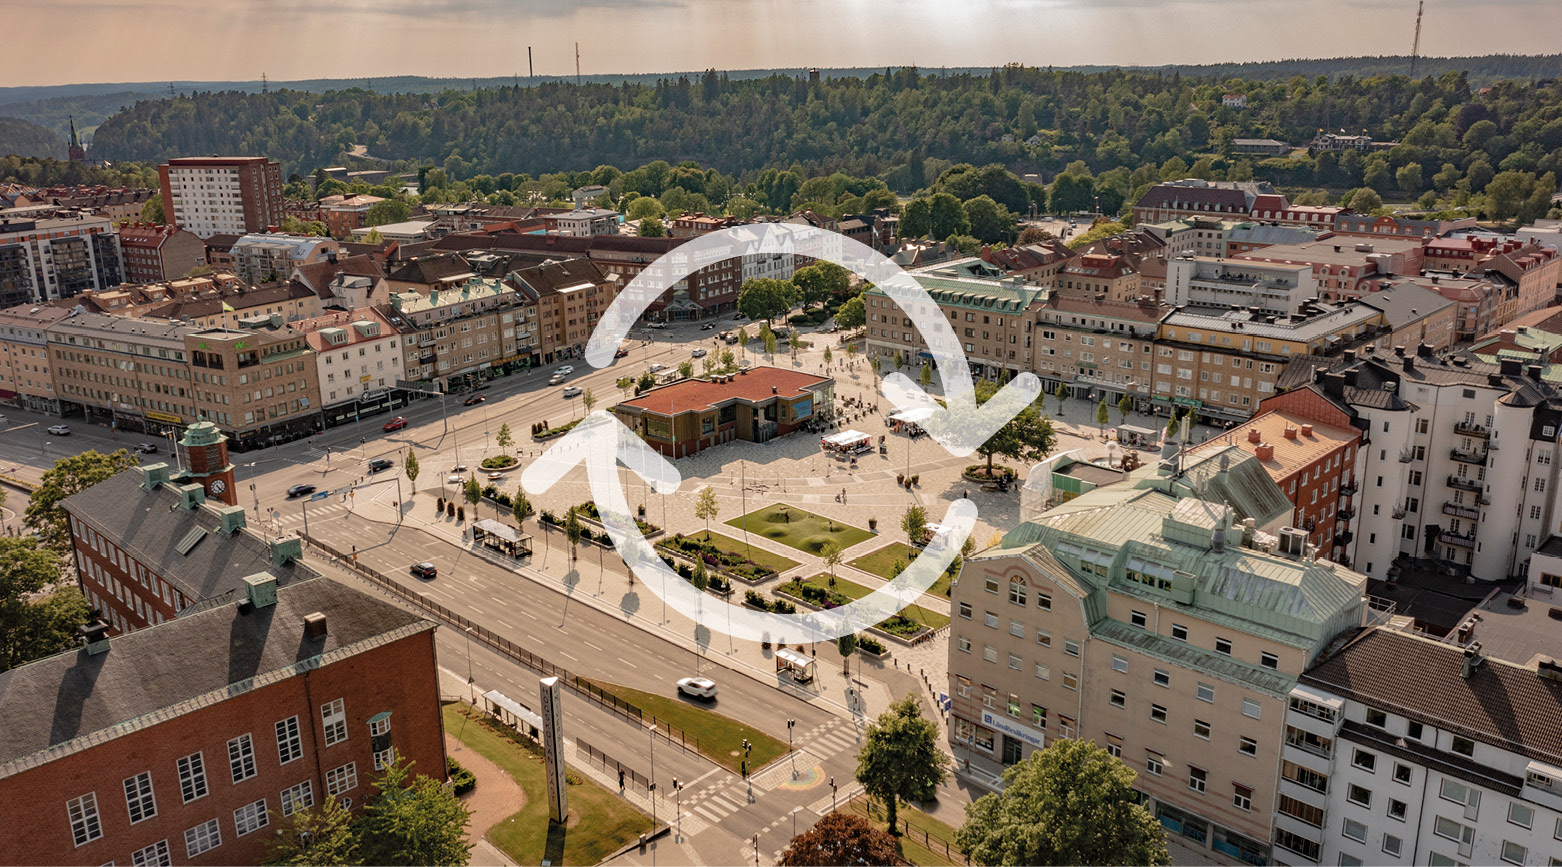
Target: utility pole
(529, 73)
(577, 63)
(264, 85)
(1415, 47)
(170, 90)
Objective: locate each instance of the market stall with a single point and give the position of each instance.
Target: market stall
(909, 421)
(847, 443)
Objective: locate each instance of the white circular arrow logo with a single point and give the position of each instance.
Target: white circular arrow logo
(601, 442)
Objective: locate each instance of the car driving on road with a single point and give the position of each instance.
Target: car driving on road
(658, 367)
(424, 570)
(556, 379)
(572, 391)
(566, 370)
(697, 687)
(396, 423)
(621, 353)
(299, 491)
(146, 448)
(474, 399)
(698, 353)
(60, 430)
(380, 465)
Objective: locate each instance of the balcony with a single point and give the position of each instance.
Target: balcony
(1345, 514)
(1343, 537)
(1348, 489)
(1400, 512)
(1464, 457)
(1460, 541)
(1471, 430)
(1464, 484)
(1459, 511)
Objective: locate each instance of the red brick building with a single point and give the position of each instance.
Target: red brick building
(222, 195)
(153, 253)
(191, 742)
(755, 405)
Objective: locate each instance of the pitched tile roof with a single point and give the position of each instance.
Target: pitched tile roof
(1500, 703)
(695, 394)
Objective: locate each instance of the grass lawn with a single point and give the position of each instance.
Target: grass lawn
(606, 823)
(805, 531)
(721, 737)
(851, 590)
(881, 561)
(919, 842)
(753, 552)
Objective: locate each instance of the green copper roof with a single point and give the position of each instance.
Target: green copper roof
(992, 296)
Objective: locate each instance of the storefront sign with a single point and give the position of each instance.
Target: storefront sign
(1014, 730)
(803, 409)
(171, 419)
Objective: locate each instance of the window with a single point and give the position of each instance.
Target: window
(1162, 677)
(1016, 593)
(333, 716)
(1016, 628)
(1521, 815)
(990, 620)
(1196, 779)
(202, 838)
(1513, 853)
(1115, 750)
(1365, 760)
(1138, 618)
(1043, 671)
(1376, 718)
(1152, 764)
(1223, 646)
(1397, 809)
(241, 758)
(1269, 660)
(342, 779)
(1070, 680)
(1247, 746)
(289, 746)
(1463, 746)
(1119, 663)
(989, 653)
(1241, 796)
(1070, 647)
(1296, 843)
(1201, 729)
(1392, 845)
(992, 584)
(251, 817)
(155, 855)
(298, 797)
(1043, 638)
(1452, 830)
(1118, 698)
(1206, 692)
(1038, 716)
(139, 798)
(1402, 773)
(1354, 830)
(963, 643)
(965, 610)
(1044, 601)
(1359, 795)
(1179, 632)
(83, 813)
(1157, 713)
(1015, 662)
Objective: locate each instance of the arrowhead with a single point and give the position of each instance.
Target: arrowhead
(599, 435)
(963, 426)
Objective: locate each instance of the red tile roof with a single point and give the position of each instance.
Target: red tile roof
(695, 394)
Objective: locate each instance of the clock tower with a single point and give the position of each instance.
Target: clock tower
(204, 453)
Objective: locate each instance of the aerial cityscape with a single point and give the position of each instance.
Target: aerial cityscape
(685, 434)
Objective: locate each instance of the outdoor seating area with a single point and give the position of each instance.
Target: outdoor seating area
(501, 537)
(847, 443)
(1136, 437)
(909, 421)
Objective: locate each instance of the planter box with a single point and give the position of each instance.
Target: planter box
(876, 632)
(598, 525)
(723, 572)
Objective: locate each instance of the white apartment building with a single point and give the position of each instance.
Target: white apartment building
(1226, 283)
(1460, 763)
(358, 360)
(222, 195)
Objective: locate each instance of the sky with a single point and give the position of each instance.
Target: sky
(78, 41)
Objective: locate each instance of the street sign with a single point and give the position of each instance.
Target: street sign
(320, 495)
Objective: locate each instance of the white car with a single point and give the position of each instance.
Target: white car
(454, 479)
(658, 367)
(698, 353)
(572, 391)
(556, 379)
(697, 687)
(566, 370)
(60, 430)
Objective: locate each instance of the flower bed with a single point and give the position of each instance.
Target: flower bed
(554, 432)
(500, 462)
(897, 627)
(727, 562)
(587, 512)
(978, 473)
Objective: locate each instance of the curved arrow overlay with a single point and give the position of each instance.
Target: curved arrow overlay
(601, 442)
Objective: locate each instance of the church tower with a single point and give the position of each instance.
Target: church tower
(204, 453)
(78, 154)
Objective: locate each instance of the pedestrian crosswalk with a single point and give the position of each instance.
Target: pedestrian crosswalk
(829, 738)
(729, 795)
(317, 511)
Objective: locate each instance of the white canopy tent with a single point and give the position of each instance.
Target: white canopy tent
(846, 439)
(916, 415)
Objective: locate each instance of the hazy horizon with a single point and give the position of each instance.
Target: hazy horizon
(292, 39)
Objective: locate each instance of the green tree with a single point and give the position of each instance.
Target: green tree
(852, 314)
(1026, 437)
(1103, 416)
(841, 838)
(520, 507)
(294, 226)
(706, 507)
(927, 375)
(318, 836)
(685, 370)
(828, 355)
(699, 577)
(1172, 427)
(152, 210)
(900, 757)
(1408, 177)
(386, 212)
(1070, 193)
(588, 401)
(818, 282)
(572, 528)
(1062, 394)
(647, 381)
(415, 821)
(1365, 200)
(472, 492)
(69, 476)
(770, 343)
(1124, 407)
(1071, 803)
(763, 298)
(1506, 191)
(989, 221)
(846, 644)
(900, 360)
(831, 554)
(38, 615)
(504, 439)
(651, 227)
(409, 467)
(914, 522)
(939, 215)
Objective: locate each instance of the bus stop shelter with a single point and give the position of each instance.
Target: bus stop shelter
(502, 538)
(801, 667)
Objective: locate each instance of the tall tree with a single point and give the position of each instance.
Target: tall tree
(900, 758)
(852, 314)
(318, 836)
(831, 554)
(1124, 407)
(386, 212)
(841, 838)
(651, 227)
(504, 439)
(572, 532)
(914, 522)
(1071, 803)
(152, 210)
(414, 821)
(846, 644)
(69, 476)
(818, 282)
(1103, 416)
(410, 468)
(763, 298)
(520, 507)
(588, 400)
(990, 222)
(1026, 437)
(38, 616)
(706, 507)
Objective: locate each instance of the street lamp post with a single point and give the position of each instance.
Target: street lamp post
(470, 683)
(795, 811)
(652, 734)
(789, 724)
(678, 797)
(303, 506)
(833, 807)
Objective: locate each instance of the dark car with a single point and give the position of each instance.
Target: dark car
(621, 353)
(424, 570)
(475, 399)
(379, 464)
(300, 490)
(707, 326)
(396, 423)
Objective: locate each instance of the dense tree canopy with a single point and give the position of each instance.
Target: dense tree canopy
(840, 838)
(35, 620)
(69, 476)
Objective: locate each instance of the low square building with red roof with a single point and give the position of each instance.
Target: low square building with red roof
(754, 405)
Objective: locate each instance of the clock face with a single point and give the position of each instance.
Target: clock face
(218, 486)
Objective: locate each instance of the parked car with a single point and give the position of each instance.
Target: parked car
(380, 465)
(146, 448)
(699, 353)
(299, 491)
(556, 379)
(474, 399)
(572, 391)
(458, 468)
(60, 430)
(455, 479)
(496, 477)
(396, 423)
(4, 421)
(566, 370)
(658, 367)
(621, 353)
(739, 318)
(424, 570)
(697, 687)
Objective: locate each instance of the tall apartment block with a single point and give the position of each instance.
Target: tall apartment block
(222, 195)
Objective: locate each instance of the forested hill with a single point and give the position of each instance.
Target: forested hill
(880, 125)
(1481, 70)
(19, 137)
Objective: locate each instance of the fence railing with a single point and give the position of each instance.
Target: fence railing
(581, 686)
(611, 765)
(938, 845)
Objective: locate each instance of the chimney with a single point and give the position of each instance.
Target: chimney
(1307, 430)
(1472, 660)
(1265, 451)
(314, 626)
(1533, 371)
(1350, 356)
(1334, 384)
(153, 475)
(1425, 349)
(260, 591)
(1253, 435)
(95, 636)
(1399, 350)
(773, 389)
(232, 519)
(285, 550)
(1290, 432)
(1410, 363)
(1512, 367)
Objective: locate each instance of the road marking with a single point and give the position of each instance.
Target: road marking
(704, 775)
(592, 646)
(570, 656)
(475, 608)
(502, 623)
